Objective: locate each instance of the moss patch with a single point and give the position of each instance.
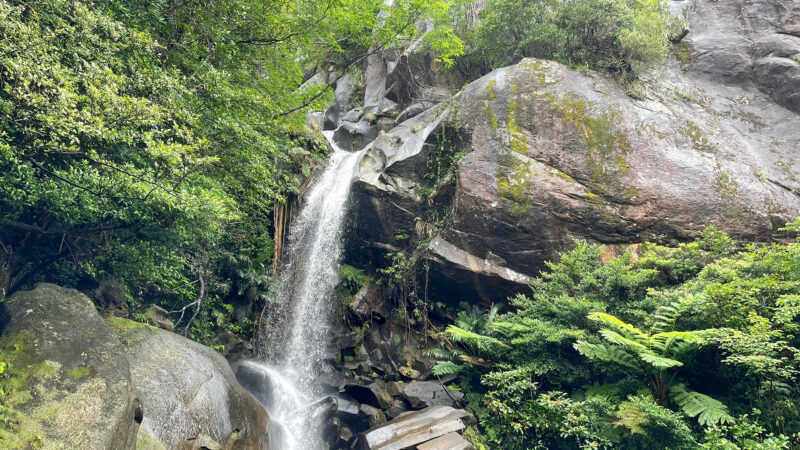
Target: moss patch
(492, 118)
(128, 331)
(540, 73)
(512, 185)
(606, 146)
(14, 351)
(80, 372)
(40, 408)
(698, 140)
(684, 53)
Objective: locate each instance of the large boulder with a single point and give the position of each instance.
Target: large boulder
(69, 382)
(189, 394)
(553, 154)
(558, 154)
(423, 394)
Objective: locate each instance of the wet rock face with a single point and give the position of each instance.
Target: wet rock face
(189, 394)
(554, 154)
(749, 42)
(75, 370)
(558, 154)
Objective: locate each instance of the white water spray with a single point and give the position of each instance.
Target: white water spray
(305, 297)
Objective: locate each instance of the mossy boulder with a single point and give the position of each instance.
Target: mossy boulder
(190, 397)
(569, 154)
(67, 383)
(550, 154)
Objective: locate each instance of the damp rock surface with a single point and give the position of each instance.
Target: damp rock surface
(75, 388)
(190, 397)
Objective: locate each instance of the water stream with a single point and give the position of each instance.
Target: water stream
(305, 305)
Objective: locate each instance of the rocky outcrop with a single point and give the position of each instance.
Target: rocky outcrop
(189, 395)
(547, 154)
(423, 394)
(552, 155)
(557, 154)
(69, 381)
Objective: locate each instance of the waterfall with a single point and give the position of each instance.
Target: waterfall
(303, 306)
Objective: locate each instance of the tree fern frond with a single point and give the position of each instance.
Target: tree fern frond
(659, 362)
(630, 417)
(440, 354)
(666, 316)
(607, 353)
(619, 326)
(479, 341)
(708, 410)
(446, 368)
(616, 338)
(676, 342)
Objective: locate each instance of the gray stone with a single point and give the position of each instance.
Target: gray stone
(373, 415)
(450, 441)
(413, 428)
(76, 371)
(373, 394)
(189, 391)
(422, 394)
(397, 407)
(395, 388)
(749, 42)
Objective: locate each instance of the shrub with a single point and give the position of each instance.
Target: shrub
(618, 36)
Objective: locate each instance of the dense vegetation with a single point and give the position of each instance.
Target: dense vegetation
(144, 144)
(687, 347)
(618, 36)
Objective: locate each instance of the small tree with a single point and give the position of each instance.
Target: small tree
(655, 357)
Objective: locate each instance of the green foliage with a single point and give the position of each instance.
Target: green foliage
(145, 141)
(653, 426)
(352, 279)
(519, 418)
(627, 336)
(619, 36)
(708, 411)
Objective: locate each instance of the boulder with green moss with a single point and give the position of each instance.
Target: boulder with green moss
(547, 154)
(67, 382)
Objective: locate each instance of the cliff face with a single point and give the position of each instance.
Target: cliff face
(547, 154)
(748, 43)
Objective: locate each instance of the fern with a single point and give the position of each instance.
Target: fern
(606, 353)
(625, 329)
(478, 341)
(708, 410)
(666, 316)
(602, 390)
(631, 417)
(618, 339)
(446, 368)
(659, 362)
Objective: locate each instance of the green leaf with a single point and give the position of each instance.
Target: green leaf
(708, 410)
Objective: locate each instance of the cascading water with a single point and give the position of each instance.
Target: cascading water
(305, 303)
